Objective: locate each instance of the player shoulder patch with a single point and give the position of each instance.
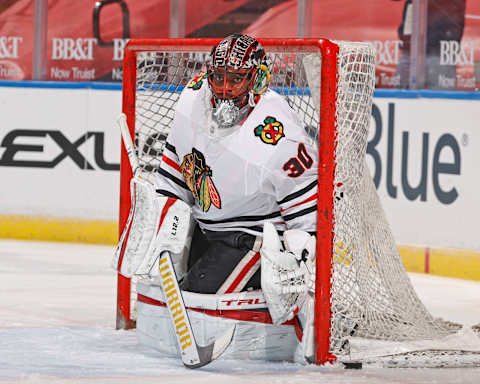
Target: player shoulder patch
(198, 176)
(270, 132)
(197, 81)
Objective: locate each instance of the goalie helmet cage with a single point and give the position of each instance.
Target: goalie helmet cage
(362, 288)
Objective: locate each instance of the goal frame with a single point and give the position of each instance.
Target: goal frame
(326, 167)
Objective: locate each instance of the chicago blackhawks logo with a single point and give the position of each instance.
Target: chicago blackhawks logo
(271, 132)
(197, 81)
(198, 175)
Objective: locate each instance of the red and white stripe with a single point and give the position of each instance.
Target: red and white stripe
(301, 204)
(244, 270)
(171, 164)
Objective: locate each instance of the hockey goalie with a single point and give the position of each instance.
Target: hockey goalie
(234, 204)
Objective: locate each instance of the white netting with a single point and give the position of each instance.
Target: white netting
(372, 296)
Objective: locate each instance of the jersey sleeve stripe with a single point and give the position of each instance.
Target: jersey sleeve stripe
(171, 163)
(172, 178)
(170, 147)
(166, 193)
(303, 212)
(241, 218)
(255, 230)
(298, 193)
(311, 198)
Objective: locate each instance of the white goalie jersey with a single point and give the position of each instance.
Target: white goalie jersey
(236, 180)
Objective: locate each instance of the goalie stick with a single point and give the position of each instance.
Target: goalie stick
(193, 355)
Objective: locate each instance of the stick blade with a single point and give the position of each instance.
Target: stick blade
(212, 351)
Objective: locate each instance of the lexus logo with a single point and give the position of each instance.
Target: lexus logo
(13, 145)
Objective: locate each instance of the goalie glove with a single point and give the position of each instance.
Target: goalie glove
(288, 275)
(156, 223)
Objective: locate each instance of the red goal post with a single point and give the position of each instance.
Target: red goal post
(362, 288)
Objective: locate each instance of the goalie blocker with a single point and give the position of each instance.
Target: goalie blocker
(265, 319)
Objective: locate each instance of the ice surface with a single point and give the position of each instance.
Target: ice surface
(57, 312)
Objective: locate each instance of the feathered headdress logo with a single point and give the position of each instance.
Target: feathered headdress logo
(198, 176)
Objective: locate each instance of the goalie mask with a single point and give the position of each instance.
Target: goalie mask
(238, 71)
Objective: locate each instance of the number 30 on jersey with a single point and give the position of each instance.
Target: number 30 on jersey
(296, 166)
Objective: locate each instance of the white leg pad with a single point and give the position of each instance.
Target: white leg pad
(252, 340)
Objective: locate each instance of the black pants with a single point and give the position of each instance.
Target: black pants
(213, 257)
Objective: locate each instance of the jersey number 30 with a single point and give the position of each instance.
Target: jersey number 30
(297, 165)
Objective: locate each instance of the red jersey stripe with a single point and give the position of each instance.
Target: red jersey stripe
(302, 202)
(171, 163)
(244, 271)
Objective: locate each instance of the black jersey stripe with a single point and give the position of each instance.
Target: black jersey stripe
(170, 147)
(298, 193)
(303, 212)
(166, 193)
(241, 218)
(176, 180)
(254, 228)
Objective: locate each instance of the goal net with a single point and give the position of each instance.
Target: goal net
(362, 289)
